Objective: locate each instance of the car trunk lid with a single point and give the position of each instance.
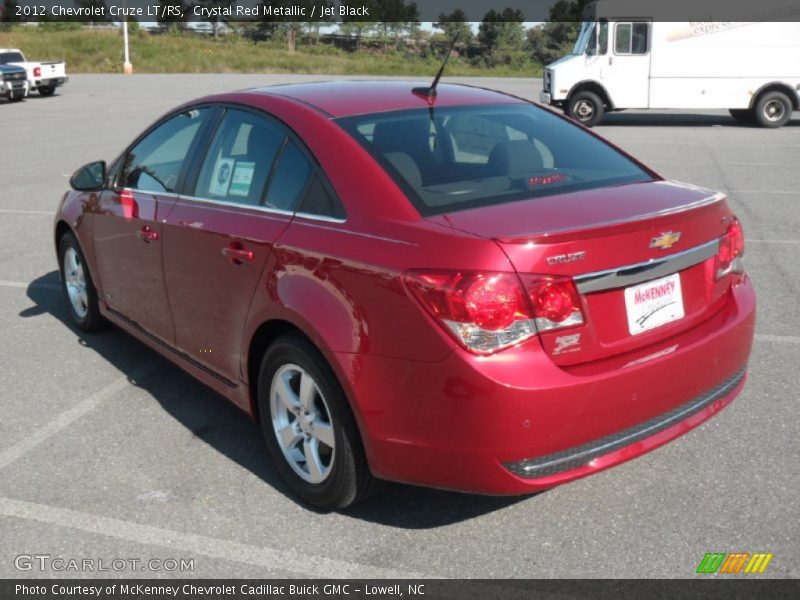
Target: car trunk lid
(642, 257)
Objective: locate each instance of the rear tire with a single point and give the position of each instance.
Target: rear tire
(309, 428)
(78, 287)
(773, 109)
(47, 91)
(587, 108)
(743, 115)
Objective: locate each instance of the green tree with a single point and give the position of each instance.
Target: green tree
(360, 26)
(554, 38)
(397, 17)
(502, 36)
(455, 25)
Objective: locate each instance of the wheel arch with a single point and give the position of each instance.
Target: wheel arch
(591, 85)
(264, 335)
(776, 86)
(61, 228)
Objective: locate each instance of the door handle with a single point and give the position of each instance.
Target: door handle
(237, 255)
(147, 234)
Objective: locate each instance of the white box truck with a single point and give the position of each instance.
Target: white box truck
(623, 59)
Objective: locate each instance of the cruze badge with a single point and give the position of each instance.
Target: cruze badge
(665, 240)
(560, 259)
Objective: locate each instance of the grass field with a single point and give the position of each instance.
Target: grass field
(101, 52)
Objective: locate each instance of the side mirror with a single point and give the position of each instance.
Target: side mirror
(89, 177)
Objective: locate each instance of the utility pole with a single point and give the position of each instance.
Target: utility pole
(127, 67)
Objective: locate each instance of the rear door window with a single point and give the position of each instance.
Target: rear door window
(239, 161)
(290, 179)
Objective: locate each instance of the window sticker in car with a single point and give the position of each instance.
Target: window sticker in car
(221, 177)
(242, 178)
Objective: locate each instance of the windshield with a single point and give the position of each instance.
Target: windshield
(468, 156)
(10, 57)
(583, 37)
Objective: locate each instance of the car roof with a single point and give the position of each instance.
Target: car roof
(348, 98)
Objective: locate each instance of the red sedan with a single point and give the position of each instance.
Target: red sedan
(457, 289)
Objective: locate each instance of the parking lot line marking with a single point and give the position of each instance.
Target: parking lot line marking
(288, 561)
(25, 285)
(14, 211)
(778, 192)
(750, 241)
(788, 339)
(71, 415)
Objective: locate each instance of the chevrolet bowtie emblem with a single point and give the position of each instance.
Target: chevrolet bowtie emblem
(665, 240)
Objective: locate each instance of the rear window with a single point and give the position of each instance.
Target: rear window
(11, 57)
(454, 158)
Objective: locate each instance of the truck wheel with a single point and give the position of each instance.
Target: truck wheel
(743, 115)
(773, 109)
(586, 108)
(47, 91)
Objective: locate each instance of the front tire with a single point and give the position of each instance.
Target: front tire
(309, 428)
(773, 109)
(78, 287)
(47, 90)
(587, 108)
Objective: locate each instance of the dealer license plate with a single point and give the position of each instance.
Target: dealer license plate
(654, 304)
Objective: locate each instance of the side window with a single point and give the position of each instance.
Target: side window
(155, 163)
(598, 42)
(474, 137)
(320, 201)
(631, 38)
(290, 179)
(239, 159)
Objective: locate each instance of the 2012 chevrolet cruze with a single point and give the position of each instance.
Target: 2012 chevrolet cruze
(453, 288)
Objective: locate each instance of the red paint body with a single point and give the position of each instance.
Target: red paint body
(429, 411)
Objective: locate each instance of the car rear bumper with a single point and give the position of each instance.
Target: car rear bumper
(474, 423)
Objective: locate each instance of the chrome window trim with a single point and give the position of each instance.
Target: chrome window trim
(259, 208)
(645, 271)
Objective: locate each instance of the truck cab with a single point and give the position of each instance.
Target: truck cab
(13, 83)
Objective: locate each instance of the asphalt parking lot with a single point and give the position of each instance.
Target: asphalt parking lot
(108, 451)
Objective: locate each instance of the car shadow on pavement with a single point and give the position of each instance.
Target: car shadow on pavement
(218, 423)
(652, 119)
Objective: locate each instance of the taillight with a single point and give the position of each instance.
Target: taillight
(489, 311)
(37, 71)
(731, 250)
(554, 300)
(484, 312)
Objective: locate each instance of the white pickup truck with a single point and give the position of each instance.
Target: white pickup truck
(42, 76)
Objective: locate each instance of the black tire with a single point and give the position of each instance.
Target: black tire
(47, 90)
(92, 320)
(349, 479)
(773, 109)
(743, 115)
(586, 108)
(16, 97)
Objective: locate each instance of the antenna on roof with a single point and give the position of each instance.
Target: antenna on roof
(430, 92)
